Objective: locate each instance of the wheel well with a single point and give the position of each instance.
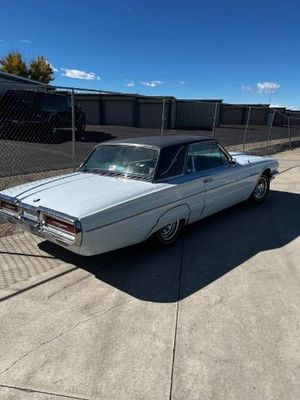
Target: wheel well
(184, 221)
(267, 172)
(180, 212)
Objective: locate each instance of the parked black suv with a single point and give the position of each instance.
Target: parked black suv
(29, 112)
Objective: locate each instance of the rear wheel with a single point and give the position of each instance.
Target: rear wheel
(169, 233)
(261, 189)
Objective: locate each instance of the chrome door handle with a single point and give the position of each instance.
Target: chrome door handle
(208, 180)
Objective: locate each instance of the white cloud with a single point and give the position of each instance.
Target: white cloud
(262, 88)
(26, 41)
(182, 82)
(52, 66)
(267, 87)
(151, 83)
(129, 83)
(78, 74)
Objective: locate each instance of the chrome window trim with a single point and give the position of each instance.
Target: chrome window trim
(225, 152)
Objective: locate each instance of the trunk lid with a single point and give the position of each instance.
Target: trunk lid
(79, 194)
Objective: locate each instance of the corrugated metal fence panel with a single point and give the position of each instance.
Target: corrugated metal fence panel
(232, 115)
(150, 115)
(193, 115)
(279, 118)
(119, 112)
(294, 117)
(91, 107)
(258, 116)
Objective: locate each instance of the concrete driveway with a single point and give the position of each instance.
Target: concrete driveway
(214, 317)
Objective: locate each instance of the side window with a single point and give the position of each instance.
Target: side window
(171, 162)
(53, 103)
(204, 156)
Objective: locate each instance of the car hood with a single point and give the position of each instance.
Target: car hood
(79, 194)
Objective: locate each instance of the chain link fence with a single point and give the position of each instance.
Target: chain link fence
(50, 130)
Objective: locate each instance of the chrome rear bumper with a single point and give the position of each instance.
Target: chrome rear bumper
(33, 219)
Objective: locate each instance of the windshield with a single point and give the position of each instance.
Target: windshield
(123, 160)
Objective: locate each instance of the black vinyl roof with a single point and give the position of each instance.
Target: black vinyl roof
(160, 141)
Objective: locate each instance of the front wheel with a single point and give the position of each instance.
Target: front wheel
(169, 233)
(261, 189)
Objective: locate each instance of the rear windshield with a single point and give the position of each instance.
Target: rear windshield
(124, 160)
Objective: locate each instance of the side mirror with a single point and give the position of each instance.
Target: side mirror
(233, 161)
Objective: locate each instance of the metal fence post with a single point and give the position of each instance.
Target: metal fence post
(163, 117)
(290, 133)
(215, 121)
(73, 127)
(270, 129)
(246, 129)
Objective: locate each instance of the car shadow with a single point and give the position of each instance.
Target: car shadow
(208, 250)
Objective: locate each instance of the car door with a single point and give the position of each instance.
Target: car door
(224, 181)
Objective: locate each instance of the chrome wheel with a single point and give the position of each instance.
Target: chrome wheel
(168, 234)
(261, 189)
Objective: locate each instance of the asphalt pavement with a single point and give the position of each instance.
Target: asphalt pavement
(214, 317)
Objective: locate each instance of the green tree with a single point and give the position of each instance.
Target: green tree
(13, 64)
(40, 70)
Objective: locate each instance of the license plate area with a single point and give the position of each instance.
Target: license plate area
(30, 216)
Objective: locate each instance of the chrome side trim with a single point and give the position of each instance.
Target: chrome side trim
(169, 203)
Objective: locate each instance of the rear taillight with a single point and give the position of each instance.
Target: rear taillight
(62, 225)
(12, 207)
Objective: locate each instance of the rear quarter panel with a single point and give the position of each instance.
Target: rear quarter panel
(135, 220)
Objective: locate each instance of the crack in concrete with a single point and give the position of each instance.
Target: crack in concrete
(79, 324)
(176, 321)
(288, 169)
(43, 392)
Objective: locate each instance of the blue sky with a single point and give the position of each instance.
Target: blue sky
(233, 50)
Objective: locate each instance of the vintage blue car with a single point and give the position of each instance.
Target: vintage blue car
(130, 190)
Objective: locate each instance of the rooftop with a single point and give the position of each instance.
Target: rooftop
(159, 141)
(6, 77)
